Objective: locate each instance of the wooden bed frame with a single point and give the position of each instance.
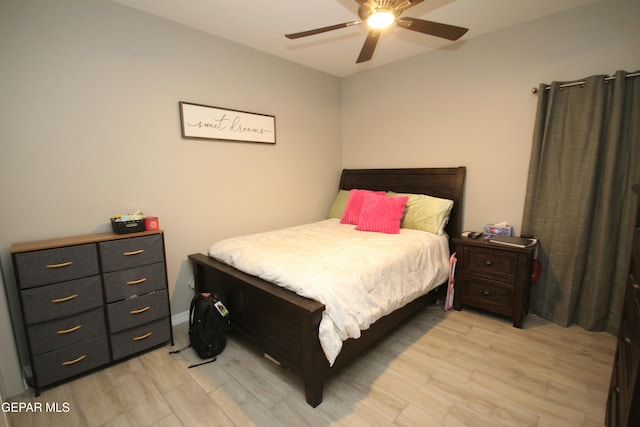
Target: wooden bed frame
(285, 325)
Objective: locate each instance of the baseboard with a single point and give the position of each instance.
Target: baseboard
(179, 318)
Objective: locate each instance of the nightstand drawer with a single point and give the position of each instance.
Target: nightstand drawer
(128, 253)
(39, 268)
(49, 336)
(62, 299)
(119, 285)
(489, 295)
(492, 263)
(136, 311)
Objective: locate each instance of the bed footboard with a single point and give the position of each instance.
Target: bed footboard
(285, 325)
(279, 322)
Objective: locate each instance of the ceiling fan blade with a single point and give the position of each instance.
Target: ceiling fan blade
(446, 31)
(369, 46)
(321, 30)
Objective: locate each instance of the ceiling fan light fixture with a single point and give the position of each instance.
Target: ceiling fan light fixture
(380, 19)
(379, 14)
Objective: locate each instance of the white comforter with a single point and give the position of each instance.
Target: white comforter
(358, 276)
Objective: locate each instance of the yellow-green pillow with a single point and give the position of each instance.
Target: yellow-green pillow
(426, 213)
(338, 205)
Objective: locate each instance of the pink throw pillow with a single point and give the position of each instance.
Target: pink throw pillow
(381, 213)
(354, 205)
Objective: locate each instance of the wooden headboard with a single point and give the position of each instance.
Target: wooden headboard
(446, 183)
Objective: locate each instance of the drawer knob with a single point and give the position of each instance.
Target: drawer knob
(141, 310)
(137, 282)
(70, 297)
(71, 362)
(138, 252)
(636, 286)
(66, 331)
(488, 262)
(627, 340)
(62, 264)
(486, 293)
(141, 337)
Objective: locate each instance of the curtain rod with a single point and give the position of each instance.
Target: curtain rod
(562, 86)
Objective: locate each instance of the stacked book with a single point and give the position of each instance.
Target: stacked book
(518, 242)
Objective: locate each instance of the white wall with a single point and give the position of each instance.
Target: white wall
(89, 128)
(472, 105)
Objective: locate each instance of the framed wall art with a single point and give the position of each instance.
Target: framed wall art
(206, 122)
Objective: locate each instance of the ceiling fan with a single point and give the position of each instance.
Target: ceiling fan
(379, 14)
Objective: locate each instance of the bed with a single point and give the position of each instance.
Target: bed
(284, 325)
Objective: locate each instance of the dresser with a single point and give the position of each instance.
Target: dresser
(493, 277)
(623, 403)
(88, 301)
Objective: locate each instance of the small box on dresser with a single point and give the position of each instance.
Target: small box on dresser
(493, 277)
(623, 402)
(67, 288)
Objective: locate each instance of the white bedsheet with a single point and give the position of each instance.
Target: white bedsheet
(358, 276)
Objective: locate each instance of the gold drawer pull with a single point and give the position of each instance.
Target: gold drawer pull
(70, 297)
(488, 263)
(486, 293)
(139, 251)
(636, 286)
(627, 340)
(63, 264)
(137, 282)
(71, 362)
(66, 331)
(142, 310)
(141, 337)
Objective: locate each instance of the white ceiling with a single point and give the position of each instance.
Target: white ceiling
(261, 25)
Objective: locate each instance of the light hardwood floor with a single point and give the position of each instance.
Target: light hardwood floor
(440, 369)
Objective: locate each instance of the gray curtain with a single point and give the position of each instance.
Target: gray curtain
(579, 201)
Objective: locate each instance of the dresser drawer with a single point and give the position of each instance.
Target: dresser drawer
(137, 310)
(492, 263)
(62, 299)
(140, 338)
(630, 327)
(53, 335)
(633, 295)
(133, 252)
(119, 285)
(625, 358)
(69, 361)
(56, 265)
(489, 295)
(635, 256)
(613, 400)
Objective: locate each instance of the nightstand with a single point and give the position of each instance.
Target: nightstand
(493, 277)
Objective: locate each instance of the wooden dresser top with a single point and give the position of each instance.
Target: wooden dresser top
(37, 245)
